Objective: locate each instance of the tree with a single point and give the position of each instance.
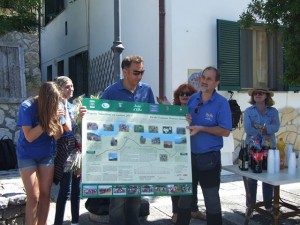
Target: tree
(18, 15)
(284, 16)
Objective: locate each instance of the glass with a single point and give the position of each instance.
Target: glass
(137, 72)
(183, 94)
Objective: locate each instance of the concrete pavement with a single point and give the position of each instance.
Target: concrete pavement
(232, 195)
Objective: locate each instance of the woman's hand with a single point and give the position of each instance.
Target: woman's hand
(82, 111)
(60, 112)
(61, 107)
(164, 100)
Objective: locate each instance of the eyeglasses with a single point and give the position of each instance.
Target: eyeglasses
(258, 93)
(137, 72)
(196, 111)
(183, 94)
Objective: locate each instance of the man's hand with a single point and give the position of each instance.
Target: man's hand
(193, 129)
(188, 118)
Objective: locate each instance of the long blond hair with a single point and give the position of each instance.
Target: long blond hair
(48, 100)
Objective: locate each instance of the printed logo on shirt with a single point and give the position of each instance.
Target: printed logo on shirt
(209, 116)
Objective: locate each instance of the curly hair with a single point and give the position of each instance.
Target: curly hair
(180, 89)
(269, 101)
(48, 100)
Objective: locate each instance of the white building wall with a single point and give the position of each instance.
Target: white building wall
(57, 46)
(190, 37)
(192, 42)
(139, 32)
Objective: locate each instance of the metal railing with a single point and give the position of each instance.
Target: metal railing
(101, 71)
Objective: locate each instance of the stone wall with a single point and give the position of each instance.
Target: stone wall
(30, 45)
(12, 198)
(8, 110)
(289, 130)
(8, 120)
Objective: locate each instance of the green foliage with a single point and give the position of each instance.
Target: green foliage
(286, 16)
(18, 15)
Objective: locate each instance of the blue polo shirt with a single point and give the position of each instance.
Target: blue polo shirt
(116, 91)
(214, 112)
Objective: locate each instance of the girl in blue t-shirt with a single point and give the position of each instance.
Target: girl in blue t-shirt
(39, 119)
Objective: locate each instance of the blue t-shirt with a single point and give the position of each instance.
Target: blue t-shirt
(270, 119)
(41, 147)
(214, 112)
(116, 91)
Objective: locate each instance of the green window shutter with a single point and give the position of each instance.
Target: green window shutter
(294, 88)
(228, 54)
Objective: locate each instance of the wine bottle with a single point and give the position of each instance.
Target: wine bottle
(243, 157)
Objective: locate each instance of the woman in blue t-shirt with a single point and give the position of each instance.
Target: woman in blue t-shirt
(39, 119)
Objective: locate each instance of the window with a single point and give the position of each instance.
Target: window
(248, 58)
(60, 68)
(78, 72)
(12, 76)
(52, 9)
(49, 73)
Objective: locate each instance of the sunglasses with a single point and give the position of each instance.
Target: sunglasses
(137, 72)
(196, 111)
(184, 94)
(258, 93)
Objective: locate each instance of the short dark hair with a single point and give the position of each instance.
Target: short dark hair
(218, 76)
(130, 59)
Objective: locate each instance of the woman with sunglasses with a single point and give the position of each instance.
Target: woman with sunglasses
(69, 181)
(261, 119)
(181, 96)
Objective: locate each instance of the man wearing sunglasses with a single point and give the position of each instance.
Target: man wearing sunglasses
(130, 88)
(210, 120)
(125, 211)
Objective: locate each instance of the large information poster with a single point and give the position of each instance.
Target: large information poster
(134, 149)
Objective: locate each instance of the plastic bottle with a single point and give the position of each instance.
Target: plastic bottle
(266, 145)
(281, 147)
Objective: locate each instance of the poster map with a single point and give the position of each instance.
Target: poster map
(134, 149)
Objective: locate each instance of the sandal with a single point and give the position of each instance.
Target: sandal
(198, 215)
(174, 218)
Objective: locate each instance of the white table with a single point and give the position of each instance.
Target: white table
(276, 180)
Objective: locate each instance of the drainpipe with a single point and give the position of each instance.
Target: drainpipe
(39, 37)
(117, 44)
(161, 79)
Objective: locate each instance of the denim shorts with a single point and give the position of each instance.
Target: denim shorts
(31, 163)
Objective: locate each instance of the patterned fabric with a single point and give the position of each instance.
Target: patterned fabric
(64, 147)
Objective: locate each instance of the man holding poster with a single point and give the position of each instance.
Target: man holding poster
(125, 210)
(210, 120)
